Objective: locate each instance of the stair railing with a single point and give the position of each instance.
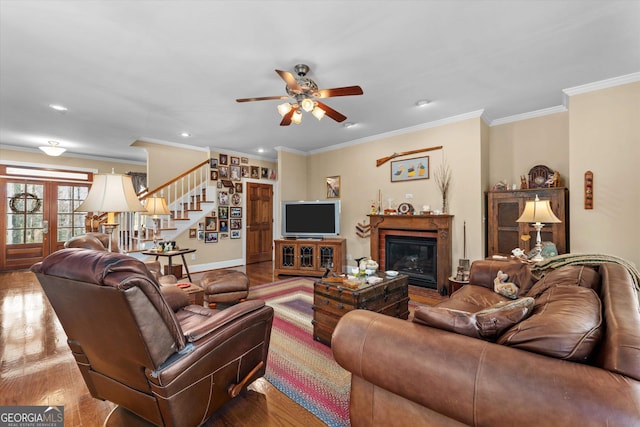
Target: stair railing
(183, 193)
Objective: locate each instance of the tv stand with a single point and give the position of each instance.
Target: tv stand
(309, 257)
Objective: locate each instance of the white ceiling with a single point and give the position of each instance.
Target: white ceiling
(130, 70)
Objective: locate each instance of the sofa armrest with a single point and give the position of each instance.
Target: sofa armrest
(476, 382)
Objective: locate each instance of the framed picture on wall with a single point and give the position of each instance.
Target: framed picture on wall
(211, 223)
(210, 237)
(235, 212)
(410, 169)
(333, 187)
(235, 234)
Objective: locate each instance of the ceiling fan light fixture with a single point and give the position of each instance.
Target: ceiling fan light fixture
(318, 113)
(284, 108)
(308, 104)
(297, 117)
(52, 149)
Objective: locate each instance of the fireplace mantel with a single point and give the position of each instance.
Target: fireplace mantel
(382, 225)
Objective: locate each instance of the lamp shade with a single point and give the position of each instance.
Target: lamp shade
(538, 211)
(157, 206)
(111, 193)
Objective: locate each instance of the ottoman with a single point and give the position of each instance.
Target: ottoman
(224, 286)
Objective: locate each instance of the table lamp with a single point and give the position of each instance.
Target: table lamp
(538, 212)
(156, 206)
(111, 193)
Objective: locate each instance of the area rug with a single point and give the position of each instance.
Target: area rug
(298, 366)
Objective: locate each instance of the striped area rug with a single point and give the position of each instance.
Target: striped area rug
(298, 366)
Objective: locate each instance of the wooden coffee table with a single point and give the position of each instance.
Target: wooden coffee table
(331, 301)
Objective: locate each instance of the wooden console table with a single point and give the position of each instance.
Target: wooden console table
(437, 225)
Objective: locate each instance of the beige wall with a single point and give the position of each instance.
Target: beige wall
(67, 161)
(361, 180)
(518, 146)
(165, 162)
(605, 139)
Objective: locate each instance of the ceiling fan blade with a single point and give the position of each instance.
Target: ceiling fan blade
(339, 91)
(338, 117)
(261, 98)
(286, 119)
(291, 81)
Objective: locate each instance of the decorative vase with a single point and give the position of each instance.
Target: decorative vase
(445, 206)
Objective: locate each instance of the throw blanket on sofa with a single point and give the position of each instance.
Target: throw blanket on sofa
(543, 267)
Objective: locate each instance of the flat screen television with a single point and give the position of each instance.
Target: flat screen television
(310, 219)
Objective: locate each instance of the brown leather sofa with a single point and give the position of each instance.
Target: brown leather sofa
(143, 347)
(573, 360)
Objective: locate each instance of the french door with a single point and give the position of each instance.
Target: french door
(38, 217)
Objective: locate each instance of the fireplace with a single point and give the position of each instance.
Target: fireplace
(415, 256)
(427, 236)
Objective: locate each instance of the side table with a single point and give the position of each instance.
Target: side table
(195, 293)
(170, 255)
(455, 284)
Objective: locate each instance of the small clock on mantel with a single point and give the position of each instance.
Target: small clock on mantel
(539, 175)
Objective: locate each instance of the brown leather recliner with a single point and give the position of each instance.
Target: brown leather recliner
(143, 346)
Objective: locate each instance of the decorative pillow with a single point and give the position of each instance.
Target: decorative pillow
(576, 275)
(485, 324)
(504, 288)
(566, 323)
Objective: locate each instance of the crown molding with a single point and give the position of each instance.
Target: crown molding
(168, 143)
(291, 150)
(602, 84)
(71, 154)
(529, 115)
(436, 123)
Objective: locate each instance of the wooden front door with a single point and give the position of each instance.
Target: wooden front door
(259, 222)
(38, 217)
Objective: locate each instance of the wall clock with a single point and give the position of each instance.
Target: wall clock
(538, 176)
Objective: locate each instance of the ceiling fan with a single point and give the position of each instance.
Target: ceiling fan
(305, 91)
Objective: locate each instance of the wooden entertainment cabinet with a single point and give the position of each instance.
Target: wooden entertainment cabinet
(309, 257)
(505, 207)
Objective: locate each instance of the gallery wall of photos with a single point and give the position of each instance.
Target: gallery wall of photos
(225, 221)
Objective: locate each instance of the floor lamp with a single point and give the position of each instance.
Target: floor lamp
(538, 212)
(111, 193)
(157, 207)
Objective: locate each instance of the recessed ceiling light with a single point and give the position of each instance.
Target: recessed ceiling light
(58, 107)
(260, 150)
(422, 102)
(185, 134)
(349, 125)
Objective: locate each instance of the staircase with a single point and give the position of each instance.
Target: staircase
(189, 197)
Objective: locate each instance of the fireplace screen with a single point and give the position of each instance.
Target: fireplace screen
(413, 256)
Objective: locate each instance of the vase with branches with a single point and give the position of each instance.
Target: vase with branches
(443, 179)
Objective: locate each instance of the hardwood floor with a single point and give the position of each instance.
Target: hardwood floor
(38, 369)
